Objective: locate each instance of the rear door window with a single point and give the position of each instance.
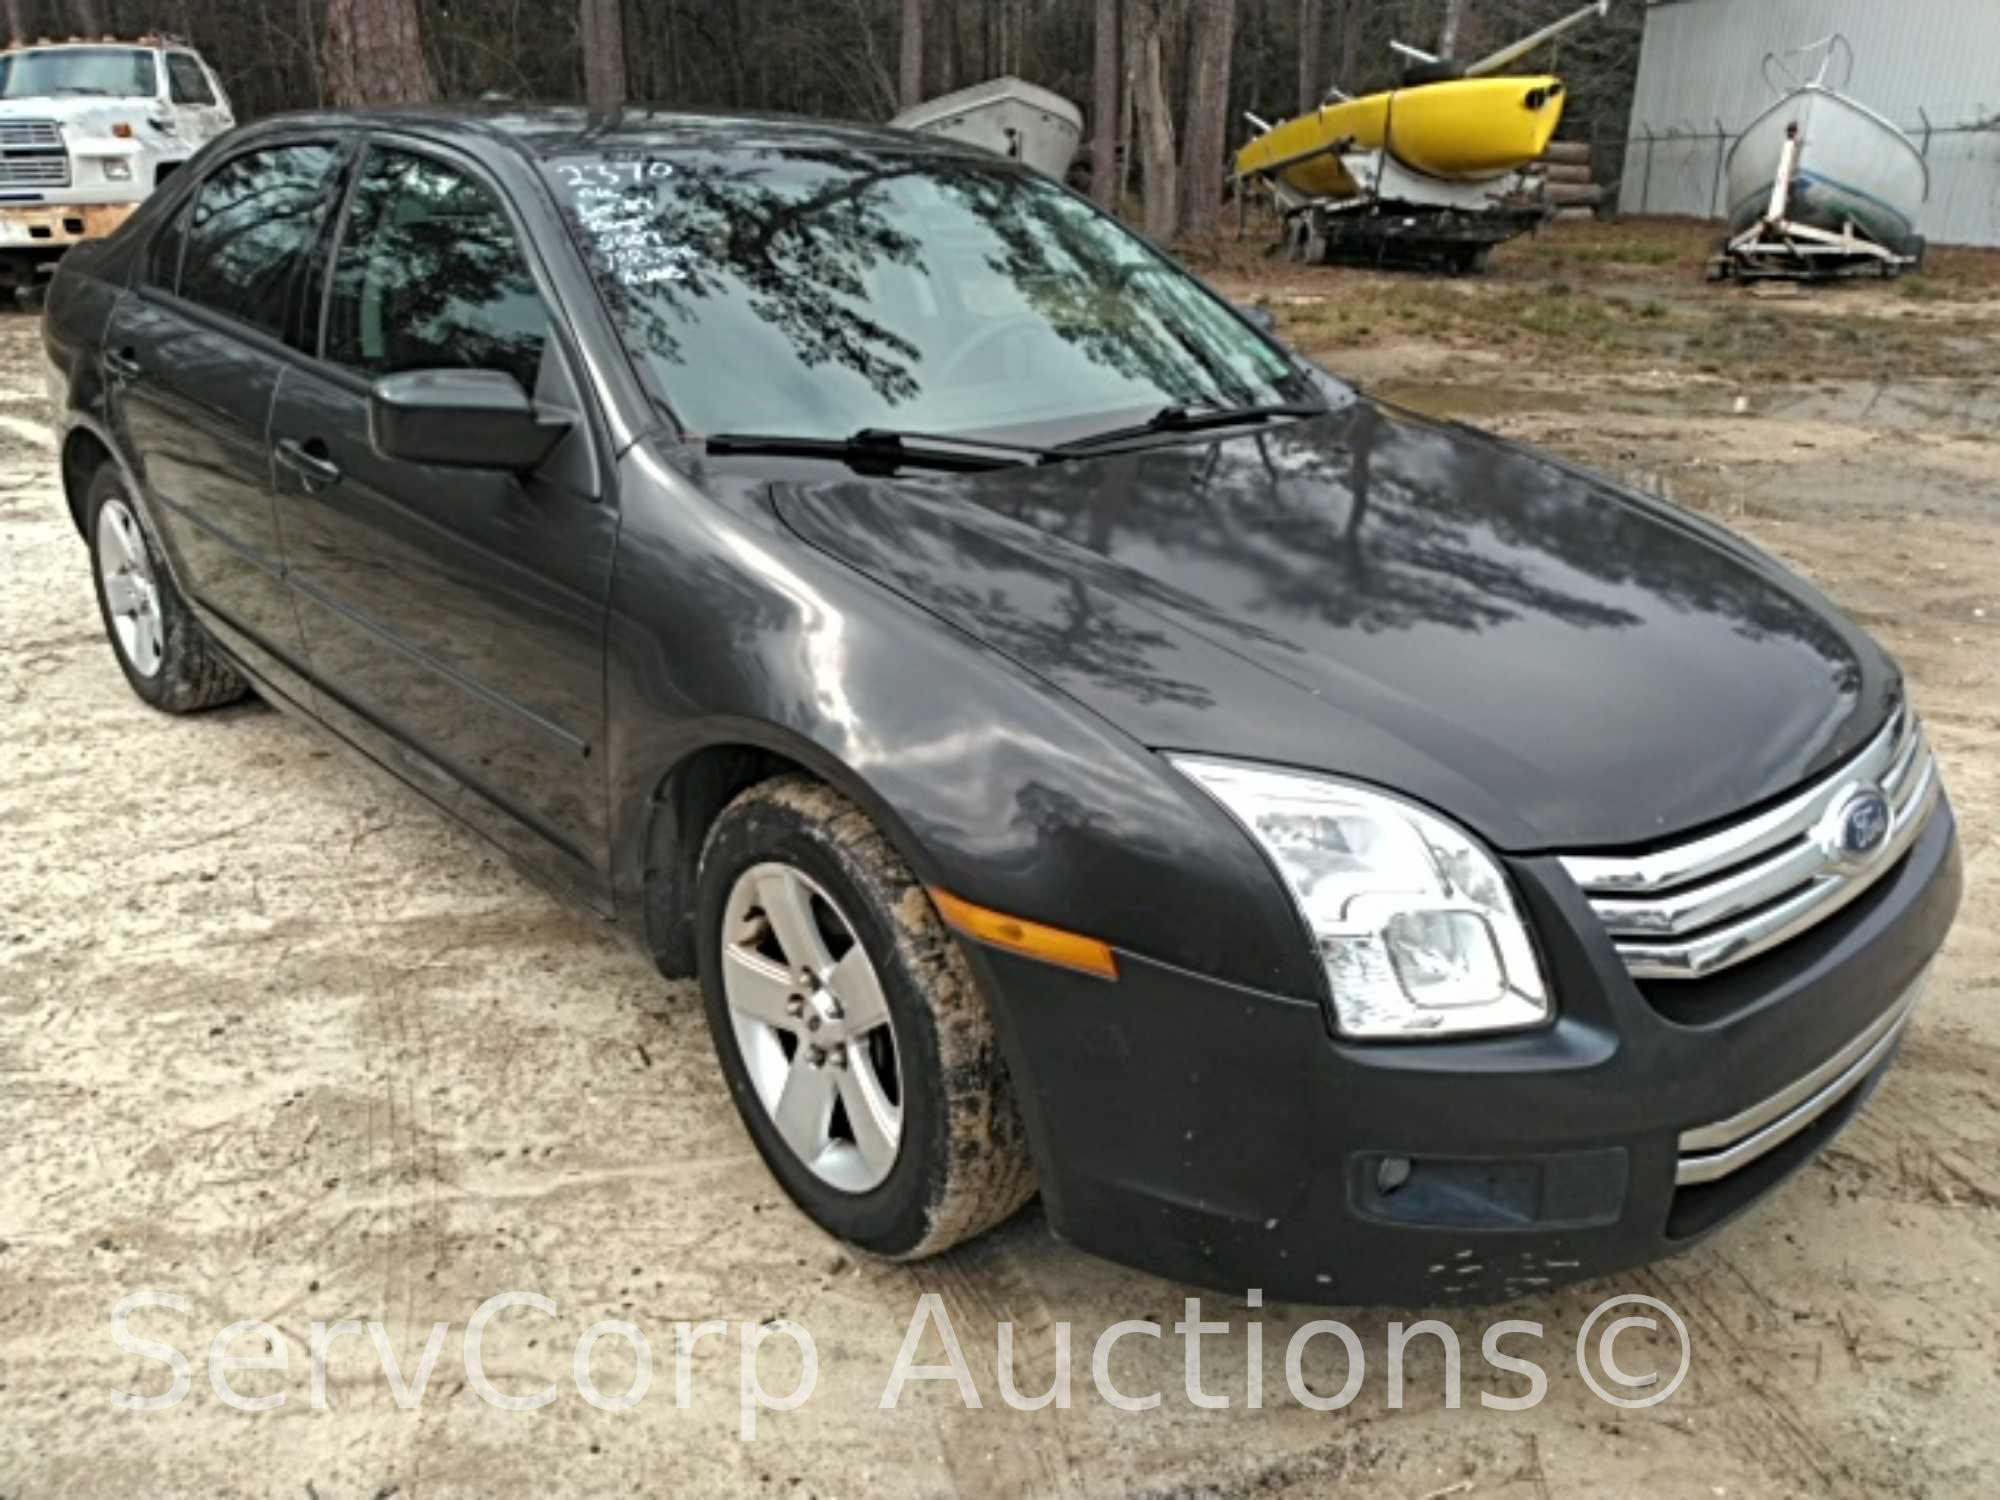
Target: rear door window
(251, 226)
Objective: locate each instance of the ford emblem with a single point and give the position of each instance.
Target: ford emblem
(1856, 826)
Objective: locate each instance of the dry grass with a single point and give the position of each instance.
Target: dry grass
(1630, 296)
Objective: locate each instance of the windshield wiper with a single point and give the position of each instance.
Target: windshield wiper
(1192, 417)
(879, 447)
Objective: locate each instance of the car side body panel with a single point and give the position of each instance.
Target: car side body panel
(193, 410)
(461, 613)
(726, 629)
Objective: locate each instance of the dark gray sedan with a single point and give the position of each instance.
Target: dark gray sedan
(1074, 740)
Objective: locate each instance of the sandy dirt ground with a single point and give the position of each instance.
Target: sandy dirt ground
(279, 1040)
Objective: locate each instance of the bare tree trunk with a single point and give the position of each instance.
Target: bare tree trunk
(1454, 12)
(88, 16)
(1104, 109)
(1312, 87)
(1207, 123)
(17, 20)
(1154, 117)
(940, 48)
(375, 53)
(911, 84)
(1128, 105)
(601, 24)
(1350, 37)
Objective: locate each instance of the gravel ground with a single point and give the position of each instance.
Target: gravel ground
(281, 1041)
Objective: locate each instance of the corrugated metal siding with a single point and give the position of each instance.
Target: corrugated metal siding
(1701, 64)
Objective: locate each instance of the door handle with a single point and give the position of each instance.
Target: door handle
(311, 462)
(123, 365)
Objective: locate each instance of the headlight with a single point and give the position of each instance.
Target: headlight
(117, 169)
(1414, 921)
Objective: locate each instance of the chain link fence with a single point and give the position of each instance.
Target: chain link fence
(1680, 170)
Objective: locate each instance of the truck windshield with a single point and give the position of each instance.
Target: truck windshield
(821, 290)
(45, 73)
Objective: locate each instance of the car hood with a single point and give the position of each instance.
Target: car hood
(1557, 662)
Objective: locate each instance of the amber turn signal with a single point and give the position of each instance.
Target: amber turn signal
(1017, 935)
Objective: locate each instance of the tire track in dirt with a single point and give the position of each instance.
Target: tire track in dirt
(1002, 1451)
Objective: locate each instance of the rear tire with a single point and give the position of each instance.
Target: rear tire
(921, 1057)
(164, 653)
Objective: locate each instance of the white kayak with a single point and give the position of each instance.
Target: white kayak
(1006, 116)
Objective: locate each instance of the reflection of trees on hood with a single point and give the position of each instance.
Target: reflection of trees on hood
(1359, 521)
(800, 259)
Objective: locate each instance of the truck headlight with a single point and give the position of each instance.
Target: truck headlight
(1414, 921)
(117, 168)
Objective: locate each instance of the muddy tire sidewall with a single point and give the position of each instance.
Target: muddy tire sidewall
(962, 1162)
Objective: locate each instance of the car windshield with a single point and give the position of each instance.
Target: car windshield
(824, 290)
(126, 72)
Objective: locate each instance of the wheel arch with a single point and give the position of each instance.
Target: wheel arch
(691, 793)
(84, 452)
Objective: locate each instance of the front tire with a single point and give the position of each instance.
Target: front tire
(165, 654)
(854, 1040)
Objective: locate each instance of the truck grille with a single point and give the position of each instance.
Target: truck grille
(34, 171)
(30, 135)
(32, 154)
(1704, 905)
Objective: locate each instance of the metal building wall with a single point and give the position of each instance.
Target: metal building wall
(1932, 66)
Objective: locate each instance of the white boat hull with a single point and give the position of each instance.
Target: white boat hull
(1854, 167)
(1007, 117)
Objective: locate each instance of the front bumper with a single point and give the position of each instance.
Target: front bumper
(54, 227)
(1224, 1137)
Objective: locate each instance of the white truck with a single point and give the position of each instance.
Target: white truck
(88, 128)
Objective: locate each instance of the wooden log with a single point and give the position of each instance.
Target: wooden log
(1567, 151)
(1574, 215)
(1570, 194)
(1563, 171)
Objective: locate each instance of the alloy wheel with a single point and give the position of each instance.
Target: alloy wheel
(812, 1025)
(131, 595)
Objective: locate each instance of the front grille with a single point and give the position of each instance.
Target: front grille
(1705, 905)
(34, 171)
(30, 135)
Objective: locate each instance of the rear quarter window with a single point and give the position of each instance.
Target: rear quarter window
(249, 230)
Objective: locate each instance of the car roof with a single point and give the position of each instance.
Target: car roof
(542, 131)
(101, 43)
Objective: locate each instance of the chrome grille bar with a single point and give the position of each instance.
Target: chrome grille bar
(30, 135)
(1713, 1151)
(34, 171)
(1701, 906)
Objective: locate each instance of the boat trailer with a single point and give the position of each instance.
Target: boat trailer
(1779, 246)
(1401, 220)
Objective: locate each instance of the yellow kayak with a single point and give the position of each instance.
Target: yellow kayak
(1464, 129)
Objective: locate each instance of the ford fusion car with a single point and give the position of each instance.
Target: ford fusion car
(1078, 744)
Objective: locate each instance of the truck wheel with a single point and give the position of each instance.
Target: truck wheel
(857, 1046)
(161, 647)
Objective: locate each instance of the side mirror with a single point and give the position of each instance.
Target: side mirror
(461, 419)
